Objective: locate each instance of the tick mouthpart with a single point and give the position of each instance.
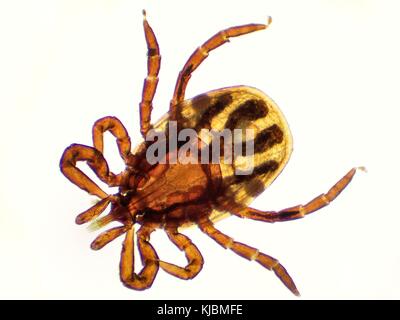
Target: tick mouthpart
(118, 213)
(101, 222)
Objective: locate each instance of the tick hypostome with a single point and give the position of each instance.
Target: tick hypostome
(171, 196)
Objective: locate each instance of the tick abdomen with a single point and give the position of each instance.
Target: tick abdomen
(240, 107)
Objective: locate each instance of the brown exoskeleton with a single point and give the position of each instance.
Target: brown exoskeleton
(171, 196)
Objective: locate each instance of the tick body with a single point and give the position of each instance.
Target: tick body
(173, 195)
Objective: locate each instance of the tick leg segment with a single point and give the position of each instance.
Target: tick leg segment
(95, 160)
(151, 81)
(193, 256)
(107, 236)
(201, 53)
(144, 279)
(299, 211)
(117, 129)
(249, 253)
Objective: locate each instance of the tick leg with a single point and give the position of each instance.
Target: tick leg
(201, 53)
(249, 253)
(144, 279)
(151, 81)
(95, 161)
(107, 236)
(192, 253)
(298, 211)
(117, 129)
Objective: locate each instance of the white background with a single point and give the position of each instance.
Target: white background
(331, 65)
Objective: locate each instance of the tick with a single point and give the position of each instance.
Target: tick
(172, 196)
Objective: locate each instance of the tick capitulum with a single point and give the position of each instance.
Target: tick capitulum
(172, 196)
